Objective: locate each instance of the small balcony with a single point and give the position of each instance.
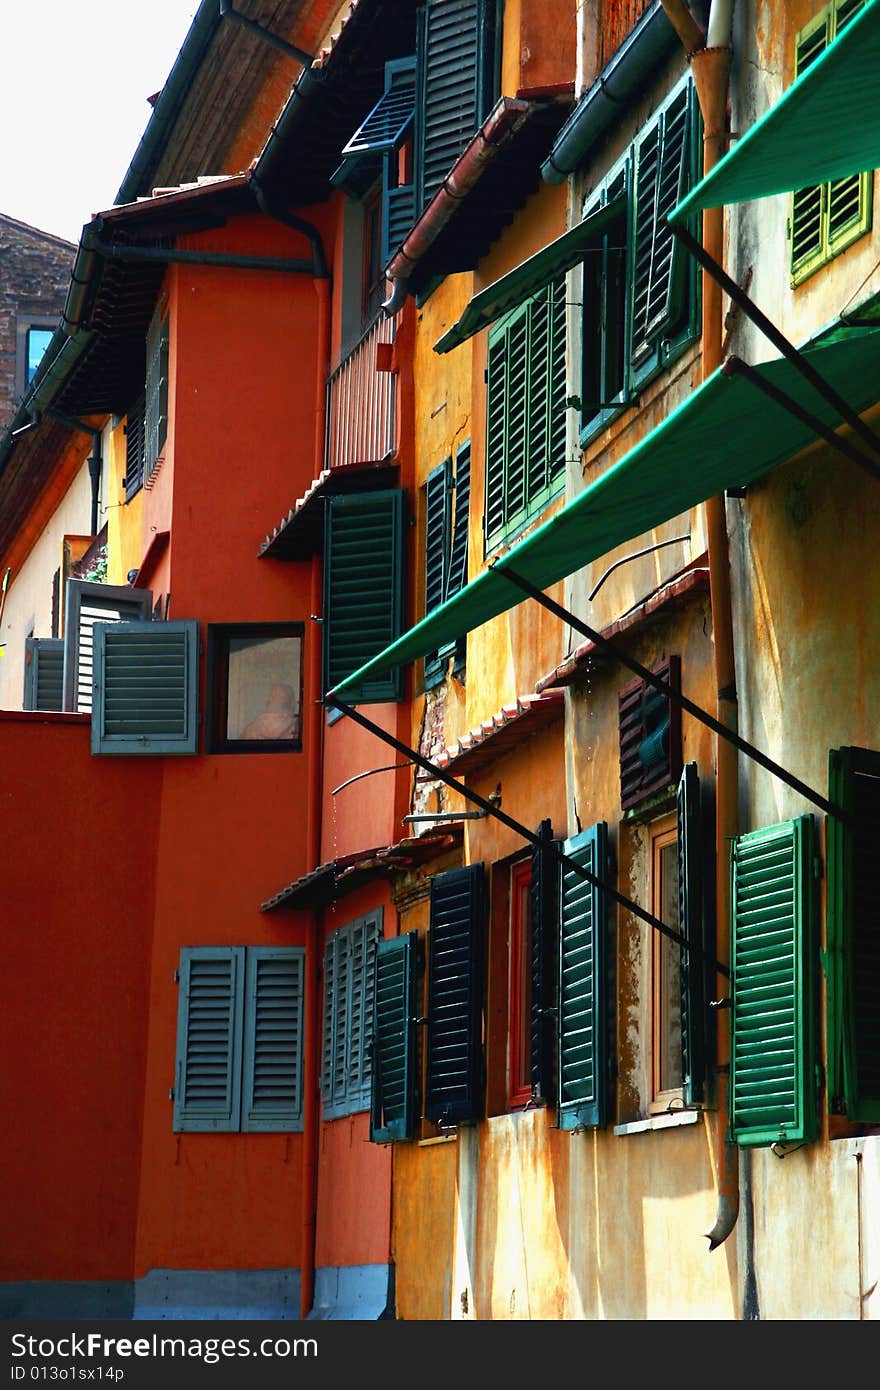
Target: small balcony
(360, 401)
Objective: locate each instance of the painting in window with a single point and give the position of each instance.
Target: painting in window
(256, 687)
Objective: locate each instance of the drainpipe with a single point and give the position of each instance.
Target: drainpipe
(290, 49)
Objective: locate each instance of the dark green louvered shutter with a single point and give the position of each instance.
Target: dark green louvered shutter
(395, 1054)
(43, 673)
(853, 962)
(86, 605)
(207, 1088)
(545, 920)
(457, 571)
(398, 199)
(156, 394)
(135, 448)
(454, 1073)
(582, 1050)
(496, 421)
(146, 687)
(273, 1039)
(692, 969)
(363, 587)
(456, 79)
(349, 985)
(772, 1081)
(438, 526)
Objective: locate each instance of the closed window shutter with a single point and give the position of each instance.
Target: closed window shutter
(455, 81)
(349, 985)
(393, 1111)
(692, 970)
(454, 1072)
(545, 930)
(146, 688)
(772, 1083)
(363, 587)
(495, 435)
(207, 1091)
(135, 447)
(438, 526)
(43, 673)
(582, 1049)
(273, 1039)
(86, 604)
(649, 728)
(156, 394)
(662, 162)
(853, 940)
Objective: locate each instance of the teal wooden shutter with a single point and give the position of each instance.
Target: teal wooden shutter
(135, 448)
(362, 989)
(146, 688)
(349, 985)
(454, 1072)
(86, 604)
(438, 527)
(457, 571)
(43, 673)
(398, 199)
(692, 971)
(582, 1047)
(393, 1110)
(456, 77)
(772, 1082)
(853, 958)
(545, 930)
(496, 422)
(273, 1039)
(156, 394)
(207, 1088)
(363, 587)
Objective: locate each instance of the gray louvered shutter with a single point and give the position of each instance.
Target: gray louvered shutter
(582, 1049)
(362, 991)
(156, 393)
(273, 1039)
(86, 604)
(545, 931)
(691, 925)
(772, 1082)
(456, 78)
(438, 525)
(207, 1089)
(146, 688)
(363, 587)
(43, 673)
(349, 985)
(333, 1036)
(454, 1072)
(395, 1051)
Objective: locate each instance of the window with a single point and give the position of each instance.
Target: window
(255, 687)
(87, 604)
(454, 1070)
(853, 915)
(640, 289)
(829, 217)
(395, 1041)
(32, 336)
(363, 587)
(649, 727)
(666, 1055)
(38, 340)
(156, 397)
(525, 412)
(447, 514)
(349, 991)
(772, 1077)
(239, 1039)
(520, 995)
(582, 1001)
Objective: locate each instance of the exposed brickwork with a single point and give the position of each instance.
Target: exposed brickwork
(428, 793)
(35, 271)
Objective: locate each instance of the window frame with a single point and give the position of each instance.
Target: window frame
(25, 324)
(519, 1000)
(219, 637)
(662, 833)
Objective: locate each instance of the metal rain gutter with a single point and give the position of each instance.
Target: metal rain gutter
(266, 35)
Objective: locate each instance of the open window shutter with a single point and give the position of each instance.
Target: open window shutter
(273, 1039)
(156, 395)
(455, 79)
(649, 725)
(454, 1081)
(690, 918)
(545, 928)
(457, 572)
(438, 525)
(853, 939)
(363, 587)
(87, 603)
(393, 1111)
(496, 419)
(364, 935)
(517, 408)
(398, 199)
(135, 446)
(146, 687)
(772, 1083)
(207, 1090)
(545, 451)
(333, 1048)
(581, 1017)
(43, 673)
(662, 165)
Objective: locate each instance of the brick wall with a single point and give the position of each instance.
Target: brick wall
(35, 271)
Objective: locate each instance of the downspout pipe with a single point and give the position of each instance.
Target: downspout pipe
(228, 12)
(319, 268)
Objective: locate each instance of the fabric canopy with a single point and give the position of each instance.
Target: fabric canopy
(561, 255)
(825, 126)
(726, 434)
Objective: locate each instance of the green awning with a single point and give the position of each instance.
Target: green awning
(561, 255)
(726, 434)
(825, 126)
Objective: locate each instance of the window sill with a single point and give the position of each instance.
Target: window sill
(673, 1120)
(438, 1139)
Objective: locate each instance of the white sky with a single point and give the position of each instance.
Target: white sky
(76, 75)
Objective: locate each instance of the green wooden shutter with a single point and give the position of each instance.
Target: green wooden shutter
(457, 570)
(692, 971)
(349, 984)
(146, 688)
(438, 525)
(135, 448)
(43, 673)
(398, 199)
(545, 928)
(496, 418)
(649, 732)
(454, 1073)
(363, 587)
(86, 605)
(207, 1088)
(362, 987)
(853, 958)
(582, 1047)
(273, 1039)
(772, 1081)
(156, 394)
(394, 1107)
(456, 74)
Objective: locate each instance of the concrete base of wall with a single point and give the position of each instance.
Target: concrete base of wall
(353, 1293)
(34, 1300)
(162, 1295)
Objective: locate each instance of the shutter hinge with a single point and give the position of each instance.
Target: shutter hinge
(175, 975)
